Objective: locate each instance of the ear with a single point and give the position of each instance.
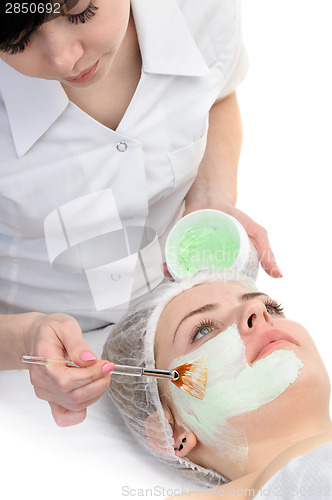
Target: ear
(184, 439)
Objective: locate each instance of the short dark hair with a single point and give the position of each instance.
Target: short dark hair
(15, 22)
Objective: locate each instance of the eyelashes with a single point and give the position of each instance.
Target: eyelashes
(83, 17)
(273, 304)
(207, 326)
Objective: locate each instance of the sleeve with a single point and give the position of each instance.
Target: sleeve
(239, 65)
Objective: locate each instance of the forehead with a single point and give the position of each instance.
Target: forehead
(195, 297)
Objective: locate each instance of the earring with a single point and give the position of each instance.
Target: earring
(181, 445)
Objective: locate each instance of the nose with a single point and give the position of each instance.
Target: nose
(254, 317)
(61, 50)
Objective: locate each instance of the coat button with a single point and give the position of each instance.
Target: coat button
(122, 146)
(115, 277)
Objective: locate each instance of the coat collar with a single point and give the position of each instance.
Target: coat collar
(166, 43)
(34, 104)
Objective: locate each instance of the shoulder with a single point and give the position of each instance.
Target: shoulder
(211, 18)
(216, 28)
(209, 6)
(299, 464)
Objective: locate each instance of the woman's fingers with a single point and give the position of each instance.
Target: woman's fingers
(67, 389)
(256, 232)
(66, 418)
(259, 237)
(69, 334)
(76, 401)
(166, 272)
(266, 256)
(68, 379)
(60, 380)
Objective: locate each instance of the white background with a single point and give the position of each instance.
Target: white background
(284, 184)
(285, 180)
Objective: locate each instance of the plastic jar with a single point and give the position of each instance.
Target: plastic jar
(209, 239)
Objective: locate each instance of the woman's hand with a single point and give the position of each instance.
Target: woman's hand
(68, 390)
(256, 232)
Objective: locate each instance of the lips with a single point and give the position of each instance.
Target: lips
(268, 342)
(85, 73)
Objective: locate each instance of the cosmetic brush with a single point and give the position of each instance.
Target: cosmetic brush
(190, 377)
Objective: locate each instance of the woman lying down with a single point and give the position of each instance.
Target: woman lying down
(263, 424)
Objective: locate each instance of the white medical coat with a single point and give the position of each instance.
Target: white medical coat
(66, 179)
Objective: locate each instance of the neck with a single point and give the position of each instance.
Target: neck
(256, 479)
(265, 452)
(262, 453)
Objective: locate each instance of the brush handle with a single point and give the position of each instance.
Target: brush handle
(136, 371)
(170, 374)
(41, 360)
(133, 371)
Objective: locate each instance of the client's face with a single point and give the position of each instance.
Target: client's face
(205, 311)
(263, 369)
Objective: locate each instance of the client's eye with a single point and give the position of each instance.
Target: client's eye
(205, 327)
(274, 307)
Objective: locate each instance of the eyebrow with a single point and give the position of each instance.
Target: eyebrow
(207, 307)
(213, 307)
(252, 295)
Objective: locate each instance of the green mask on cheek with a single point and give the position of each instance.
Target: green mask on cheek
(233, 388)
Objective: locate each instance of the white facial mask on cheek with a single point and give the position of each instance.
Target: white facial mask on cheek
(233, 388)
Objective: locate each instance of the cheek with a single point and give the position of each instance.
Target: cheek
(233, 387)
(114, 25)
(105, 39)
(300, 334)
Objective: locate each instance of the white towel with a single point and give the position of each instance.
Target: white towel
(308, 476)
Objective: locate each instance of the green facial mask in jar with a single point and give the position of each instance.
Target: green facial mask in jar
(209, 239)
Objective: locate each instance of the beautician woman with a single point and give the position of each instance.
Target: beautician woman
(104, 111)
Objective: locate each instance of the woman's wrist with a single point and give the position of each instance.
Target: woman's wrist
(203, 195)
(16, 338)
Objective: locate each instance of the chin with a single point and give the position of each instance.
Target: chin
(83, 85)
(307, 397)
(314, 381)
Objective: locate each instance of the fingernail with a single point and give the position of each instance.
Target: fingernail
(107, 368)
(87, 356)
(278, 272)
(163, 267)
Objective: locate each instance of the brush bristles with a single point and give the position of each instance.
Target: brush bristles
(192, 377)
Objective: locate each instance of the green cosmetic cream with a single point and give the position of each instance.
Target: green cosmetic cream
(206, 247)
(209, 239)
(233, 388)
